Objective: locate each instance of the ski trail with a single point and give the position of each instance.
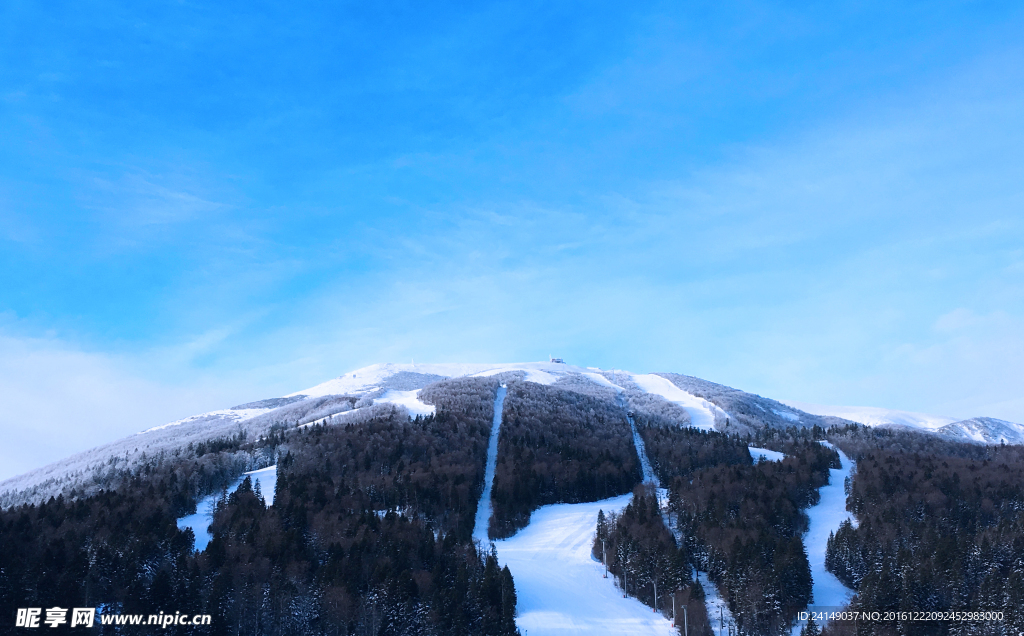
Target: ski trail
(201, 519)
(828, 593)
(560, 587)
(483, 509)
(641, 450)
(702, 413)
(718, 610)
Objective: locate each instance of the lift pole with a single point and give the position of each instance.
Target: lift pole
(604, 558)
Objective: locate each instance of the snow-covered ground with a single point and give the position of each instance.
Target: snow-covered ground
(238, 415)
(641, 451)
(718, 611)
(769, 455)
(702, 413)
(561, 588)
(874, 416)
(376, 376)
(409, 399)
(202, 518)
(828, 593)
(483, 509)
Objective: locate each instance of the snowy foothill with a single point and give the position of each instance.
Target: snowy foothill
(561, 588)
(702, 413)
(483, 509)
(201, 519)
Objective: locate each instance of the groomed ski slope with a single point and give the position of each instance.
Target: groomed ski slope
(202, 518)
(830, 511)
(483, 509)
(702, 413)
(561, 589)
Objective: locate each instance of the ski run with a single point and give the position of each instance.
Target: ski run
(202, 518)
(483, 510)
(562, 589)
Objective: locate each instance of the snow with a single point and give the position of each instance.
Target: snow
(202, 518)
(641, 451)
(373, 377)
(409, 399)
(769, 455)
(237, 415)
(718, 610)
(874, 416)
(985, 430)
(597, 378)
(702, 413)
(825, 517)
(267, 479)
(786, 415)
(483, 509)
(561, 588)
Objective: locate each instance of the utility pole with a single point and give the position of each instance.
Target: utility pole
(685, 628)
(721, 621)
(604, 558)
(655, 595)
(625, 584)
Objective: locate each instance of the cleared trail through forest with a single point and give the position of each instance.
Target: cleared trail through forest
(483, 509)
(825, 517)
(641, 450)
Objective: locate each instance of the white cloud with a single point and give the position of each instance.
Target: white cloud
(58, 399)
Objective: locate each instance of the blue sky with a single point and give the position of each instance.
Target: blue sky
(205, 205)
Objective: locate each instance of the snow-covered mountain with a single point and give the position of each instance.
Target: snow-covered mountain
(985, 430)
(981, 430)
(875, 416)
(686, 399)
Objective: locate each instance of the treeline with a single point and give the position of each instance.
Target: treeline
(940, 528)
(641, 553)
(742, 523)
(369, 534)
(558, 446)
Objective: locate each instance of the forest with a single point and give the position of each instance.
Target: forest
(742, 522)
(369, 534)
(940, 528)
(558, 446)
(641, 553)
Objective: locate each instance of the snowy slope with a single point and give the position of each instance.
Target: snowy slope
(764, 454)
(561, 588)
(702, 413)
(828, 594)
(483, 510)
(376, 376)
(202, 518)
(984, 430)
(409, 399)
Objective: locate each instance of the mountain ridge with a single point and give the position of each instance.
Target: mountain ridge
(396, 385)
